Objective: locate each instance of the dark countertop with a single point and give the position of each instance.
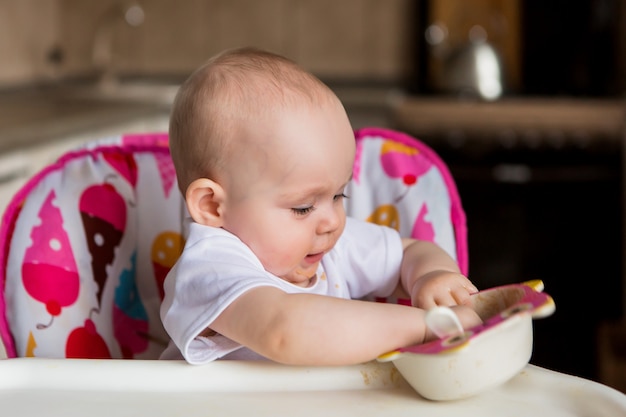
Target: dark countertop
(37, 115)
(513, 119)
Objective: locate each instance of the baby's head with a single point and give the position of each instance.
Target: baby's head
(264, 149)
(234, 101)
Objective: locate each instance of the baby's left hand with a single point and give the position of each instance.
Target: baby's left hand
(441, 288)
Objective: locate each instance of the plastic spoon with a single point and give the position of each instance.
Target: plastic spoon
(443, 322)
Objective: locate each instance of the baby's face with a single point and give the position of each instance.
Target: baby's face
(289, 207)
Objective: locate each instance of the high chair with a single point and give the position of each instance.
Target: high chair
(88, 241)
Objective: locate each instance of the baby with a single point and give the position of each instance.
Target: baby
(272, 268)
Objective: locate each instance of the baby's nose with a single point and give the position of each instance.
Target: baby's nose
(331, 220)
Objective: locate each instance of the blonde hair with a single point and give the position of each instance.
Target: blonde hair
(233, 88)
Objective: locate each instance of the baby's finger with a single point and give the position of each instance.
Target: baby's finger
(471, 288)
(426, 303)
(461, 295)
(445, 298)
(439, 298)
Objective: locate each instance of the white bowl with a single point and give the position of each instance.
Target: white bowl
(484, 356)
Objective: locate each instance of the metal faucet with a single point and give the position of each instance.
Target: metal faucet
(102, 51)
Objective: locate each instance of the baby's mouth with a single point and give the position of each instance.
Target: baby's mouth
(314, 257)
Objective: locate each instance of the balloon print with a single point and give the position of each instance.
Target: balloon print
(85, 343)
(166, 249)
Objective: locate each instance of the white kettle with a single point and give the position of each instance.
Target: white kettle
(473, 69)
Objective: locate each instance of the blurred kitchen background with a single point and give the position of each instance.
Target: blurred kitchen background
(523, 99)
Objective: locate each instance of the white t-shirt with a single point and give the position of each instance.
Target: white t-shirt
(216, 267)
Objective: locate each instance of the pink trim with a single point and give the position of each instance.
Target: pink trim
(457, 214)
(153, 143)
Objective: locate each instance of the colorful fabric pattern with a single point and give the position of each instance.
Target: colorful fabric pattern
(87, 242)
(400, 182)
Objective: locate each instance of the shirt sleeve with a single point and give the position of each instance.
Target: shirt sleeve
(197, 291)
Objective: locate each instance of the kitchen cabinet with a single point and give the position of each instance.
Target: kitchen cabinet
(542, 184)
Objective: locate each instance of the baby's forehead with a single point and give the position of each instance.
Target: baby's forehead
(255, 117)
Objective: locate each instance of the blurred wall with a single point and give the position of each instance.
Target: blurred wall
(28, 31)
(338, 40)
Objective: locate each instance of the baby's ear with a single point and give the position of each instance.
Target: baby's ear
(204, 199)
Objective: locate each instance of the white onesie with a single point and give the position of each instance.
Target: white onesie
(216, 267)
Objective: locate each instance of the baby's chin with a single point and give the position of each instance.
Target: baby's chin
(302, 277)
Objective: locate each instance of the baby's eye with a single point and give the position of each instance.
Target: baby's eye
(301, 211)
(340, 197)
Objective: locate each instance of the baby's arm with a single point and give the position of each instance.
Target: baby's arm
(309, 329)
(431, 277)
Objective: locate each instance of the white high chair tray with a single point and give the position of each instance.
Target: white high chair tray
(75, 387)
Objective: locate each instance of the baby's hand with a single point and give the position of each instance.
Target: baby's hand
(441, 288)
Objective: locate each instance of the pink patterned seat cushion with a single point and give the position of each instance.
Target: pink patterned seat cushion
(87, 242)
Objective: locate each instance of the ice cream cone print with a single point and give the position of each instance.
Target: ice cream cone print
(167, 172)
(130, 320)
(158, 139)
(103, 213)
(124, 163)
(405, 162)
(356, 167)
(423, 229)
(31, 345)
(386, 215)
(49, 271)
